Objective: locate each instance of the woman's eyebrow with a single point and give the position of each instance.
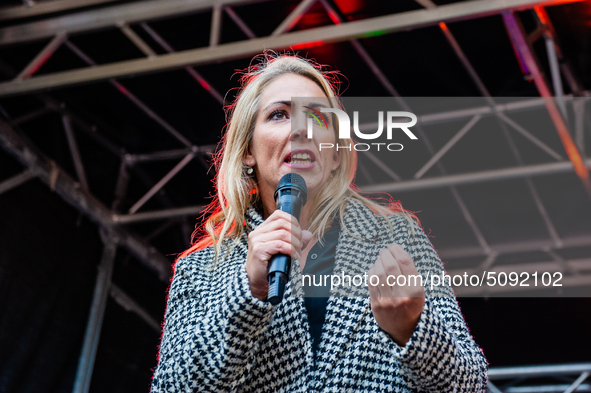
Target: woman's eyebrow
(288, 103)
(316, 104)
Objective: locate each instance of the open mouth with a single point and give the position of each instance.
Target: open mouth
(301, 158)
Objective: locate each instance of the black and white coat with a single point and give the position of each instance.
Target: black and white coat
(219, 338)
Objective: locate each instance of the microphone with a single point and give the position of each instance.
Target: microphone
(290, 197)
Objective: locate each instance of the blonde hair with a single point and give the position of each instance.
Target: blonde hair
(236, 191)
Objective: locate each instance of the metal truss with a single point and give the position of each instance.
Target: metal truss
(569, 378)
(112, 221)
(398, 185)
(125, 14)
(32, 8)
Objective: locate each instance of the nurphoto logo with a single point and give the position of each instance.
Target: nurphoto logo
(393, 120)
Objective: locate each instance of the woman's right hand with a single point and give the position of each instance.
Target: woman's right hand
(280, 233)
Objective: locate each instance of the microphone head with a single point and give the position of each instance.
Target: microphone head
(294, 183)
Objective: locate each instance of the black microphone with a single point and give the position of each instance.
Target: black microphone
(290, 197)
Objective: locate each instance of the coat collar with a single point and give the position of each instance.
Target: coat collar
(252, 219)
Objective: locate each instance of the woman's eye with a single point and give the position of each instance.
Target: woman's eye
(278, 115)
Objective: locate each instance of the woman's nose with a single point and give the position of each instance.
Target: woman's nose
(298, 128)
(297, 133)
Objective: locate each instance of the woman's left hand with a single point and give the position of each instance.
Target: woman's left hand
(396, 308)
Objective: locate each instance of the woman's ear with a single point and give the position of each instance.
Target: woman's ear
(249, 159)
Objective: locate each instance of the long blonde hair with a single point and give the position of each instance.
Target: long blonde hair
(236, 191)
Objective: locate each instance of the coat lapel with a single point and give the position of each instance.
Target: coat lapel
(357, 249)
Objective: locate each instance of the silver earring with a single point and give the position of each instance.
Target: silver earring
(249, 171)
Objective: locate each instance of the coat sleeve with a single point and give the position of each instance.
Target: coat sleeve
(441, 355)
(211, 327)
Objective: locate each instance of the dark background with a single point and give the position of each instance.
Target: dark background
(49, 252)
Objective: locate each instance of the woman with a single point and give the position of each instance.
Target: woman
(221, 335)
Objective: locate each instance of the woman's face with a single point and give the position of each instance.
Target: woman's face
(279, 147)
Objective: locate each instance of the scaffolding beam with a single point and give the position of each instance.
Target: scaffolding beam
(316, 36)
(16, 181)
(108, 17)
(474, 177)
(45, 7)
(95, 318)
(525, 51)
(158, 214)
(516, 247)
(60, 182)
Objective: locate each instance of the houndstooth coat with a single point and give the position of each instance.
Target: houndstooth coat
(219, 338)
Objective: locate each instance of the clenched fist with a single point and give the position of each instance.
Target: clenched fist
(396, 308)
(280, 233)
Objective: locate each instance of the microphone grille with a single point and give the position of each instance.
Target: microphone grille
(293, 180)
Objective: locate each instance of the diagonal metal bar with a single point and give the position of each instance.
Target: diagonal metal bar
(488, 262)
(31, 116)
(451, 143)
(95, 318)
(209, 88)
(161, 229)
(517, 36)
(294, 17)
(337, 19)
(543, 212)
(239, 22)
(42, 57)
(565, 66)
(121, 186)
(89, 129)
(139, 103)
(480, 85)
(533, 191)
(76, 157)
(316, 36)
(579, 110)
(490, 387)
(530, 136)
(137, 40)
(48, 172)
(125, 301)
(135, 245)
(501, 116)
(464, 59)
(577, 382)
(561, 262)
(555, 73)
(16, 180)
(468, 216)
(383, 166)
(161, 183)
